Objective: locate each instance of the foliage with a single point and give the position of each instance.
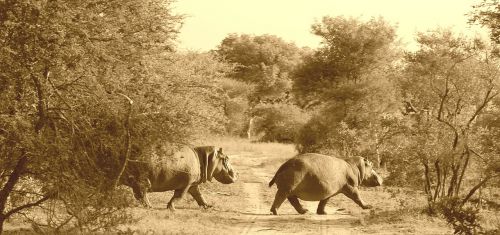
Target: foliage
(262, 68)
(84, 88)
(265, 61)
(349, 81)
(236, 105)
(354, 55)
(487, 13)
(450, 83)
(278, 122)
(463, 219)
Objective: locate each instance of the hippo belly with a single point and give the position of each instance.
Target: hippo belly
(167, 180)
(313, 189)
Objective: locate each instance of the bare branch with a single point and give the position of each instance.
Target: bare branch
(28, 205)
(475, 188)
(487, 98)
(127, 140)
(12, 180)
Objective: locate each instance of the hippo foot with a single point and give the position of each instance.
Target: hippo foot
(321, 213)
(206, 206)
(171, 207)
(303, 211)
(367, 207)
(273, 211)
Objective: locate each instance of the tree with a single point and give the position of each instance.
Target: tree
(349, 79)
(451, 82)
(264, 61)
(85, 86)
(263, 65)
(487, 13)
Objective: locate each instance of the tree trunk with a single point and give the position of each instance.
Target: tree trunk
(427, 180)
(250, 128)
(9, 186)
(2, 220)
(438, 176)
(466, 163)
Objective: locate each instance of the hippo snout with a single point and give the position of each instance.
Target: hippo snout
(373, 181)
(226, 177)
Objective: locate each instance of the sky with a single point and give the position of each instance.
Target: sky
(208, 22)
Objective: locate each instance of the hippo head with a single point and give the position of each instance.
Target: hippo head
(369, 177)
(215, 164)
(223, 171)
(140, 188)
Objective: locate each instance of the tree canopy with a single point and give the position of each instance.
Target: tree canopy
(348, 79)
(264, 61)
(487, 13)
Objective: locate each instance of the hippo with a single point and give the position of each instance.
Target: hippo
(317, 177)
(182, 170)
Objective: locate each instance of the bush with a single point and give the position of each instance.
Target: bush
(464, 219)
(236, 112)
(278, 122)
(321, 135)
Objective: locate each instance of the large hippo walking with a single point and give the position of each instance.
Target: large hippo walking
(317, 177)
(181, 170)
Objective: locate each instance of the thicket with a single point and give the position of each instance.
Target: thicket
(84, 87)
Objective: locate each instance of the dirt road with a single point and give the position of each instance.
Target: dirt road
(243, 207)
(255, 178)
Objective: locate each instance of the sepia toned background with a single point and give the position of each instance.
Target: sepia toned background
(96, 95)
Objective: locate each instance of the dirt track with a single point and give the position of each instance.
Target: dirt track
(243, 207)
(255, 180)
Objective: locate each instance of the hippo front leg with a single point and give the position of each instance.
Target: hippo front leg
(141, 196)
(353, 193)
(178, 194)
(195, 192)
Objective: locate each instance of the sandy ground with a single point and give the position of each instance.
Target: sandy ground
(243, 207)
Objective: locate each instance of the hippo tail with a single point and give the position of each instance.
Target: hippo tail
(271, 182)
(282, 167)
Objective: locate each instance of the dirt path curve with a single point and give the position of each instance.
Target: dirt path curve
(258, 199)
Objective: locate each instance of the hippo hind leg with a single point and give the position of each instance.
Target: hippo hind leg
(296, 204)
(178, 194)
(278, 200)
(321, 206)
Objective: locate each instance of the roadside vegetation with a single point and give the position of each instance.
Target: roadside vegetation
(85, 87)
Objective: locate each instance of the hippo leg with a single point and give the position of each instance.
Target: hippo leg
(278, 200)
(321, 206)
(195, 192)
(296, 204)
(178, 194)
(353, 193)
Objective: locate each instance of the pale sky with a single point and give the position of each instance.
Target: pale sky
(208, 22)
